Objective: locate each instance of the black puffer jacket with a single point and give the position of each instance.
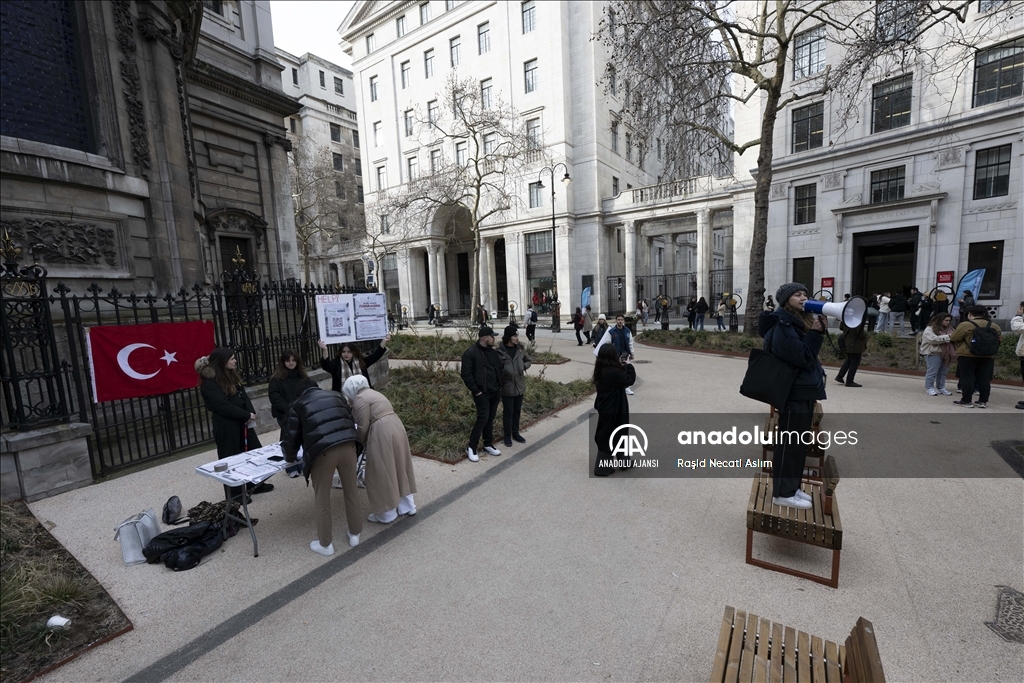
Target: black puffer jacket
(481, 369)
(282, 392)
(898, 303)
(785, 338)
(317, 420)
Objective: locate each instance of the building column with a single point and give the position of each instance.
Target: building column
(630, 284)
(705, 247)
(670, 255)
(432, 266)
(492, 277)
(442, 278)
(484, 274)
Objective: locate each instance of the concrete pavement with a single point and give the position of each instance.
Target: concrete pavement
(523, 567)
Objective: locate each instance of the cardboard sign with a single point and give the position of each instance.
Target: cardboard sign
(351, 317)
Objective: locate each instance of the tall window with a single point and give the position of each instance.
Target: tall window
(357, 162)
(808, 127)
(615, 137)
(891, 103)
(615, 186)
(424, 13)
(295, 76)
(373, 88)
(432, 111)
(339, 86)
(378, 133)
(536, 195)
(292, 124)
(359, 193)
(629, 147)
(483, 38)
(999, 73)
(806, 203)
(803, 272)
(987, 255)
(992, 172)
(989, 5)
(428, 63)
(809, 53)
(485, 93)
(895, 19)
(529, 16)
(382, 177)
(530, 74)
(533, 133)
(407, 118)
(355, 139)
(455, 50)
(461, 149)
(612, 81)
(888, 184)
(400, 26)
(323, 82)
(385, 228)
(659, 149)
(371, 43)
(335, 132)
(412, 167)
(435, 160)
(406, 69)
(339, 161)
(490, 143)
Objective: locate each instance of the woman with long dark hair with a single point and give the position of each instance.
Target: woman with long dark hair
(288, 381)
(234, 418)
(611, 377)
(349, 361)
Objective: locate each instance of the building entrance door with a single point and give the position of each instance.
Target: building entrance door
(236, 254)
(465, 293)
(884, 261)
(501, 277)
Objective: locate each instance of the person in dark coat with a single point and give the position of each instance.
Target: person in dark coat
(914, 310)
(966, 301)
(515, 361)
(701, 310)
(855, 341)
(691, 311)
(349, 361)
(794, 336)
(288, 381)
(925, 311)
(577, 325)
(611, 378)
(482, 373)
(321, 423)
(234, 418)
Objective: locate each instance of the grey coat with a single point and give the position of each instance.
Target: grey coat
(514, 363)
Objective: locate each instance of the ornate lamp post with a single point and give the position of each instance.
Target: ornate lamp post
(556, 325)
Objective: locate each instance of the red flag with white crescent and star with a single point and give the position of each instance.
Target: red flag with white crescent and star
(128, 361)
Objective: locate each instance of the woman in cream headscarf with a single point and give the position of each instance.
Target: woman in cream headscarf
(390, 482)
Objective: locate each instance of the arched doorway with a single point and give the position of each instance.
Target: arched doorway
(454, 225)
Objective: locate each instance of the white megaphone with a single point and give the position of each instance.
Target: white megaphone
(850, 312)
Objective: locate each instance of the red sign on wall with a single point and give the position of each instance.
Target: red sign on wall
(827, 282)
(944, 277)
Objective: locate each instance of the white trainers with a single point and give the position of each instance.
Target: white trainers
(315, 546)
(803, 496)
(471, 454)
(629, 392)
(385, 518)
(945, 392)
(491, 450)
(792, 502)
(932, 392)
(353, 540)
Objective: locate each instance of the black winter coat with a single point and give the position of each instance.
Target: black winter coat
(611, 404)
(317, 420)
(482, 369)
(785, 338)
(898, 303)
(283, 391)
(230, 415)
(333, 366)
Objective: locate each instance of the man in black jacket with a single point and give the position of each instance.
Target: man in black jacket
(897, 310)
(321, 423)
(482, 373)
(913, 308)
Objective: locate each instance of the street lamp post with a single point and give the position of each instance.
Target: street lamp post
(556, 325)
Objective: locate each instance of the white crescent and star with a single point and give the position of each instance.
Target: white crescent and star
(126, 368)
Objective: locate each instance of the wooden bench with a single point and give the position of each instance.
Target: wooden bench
(819, 526)
(755, 649)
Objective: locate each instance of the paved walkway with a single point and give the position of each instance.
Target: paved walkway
(523, 567)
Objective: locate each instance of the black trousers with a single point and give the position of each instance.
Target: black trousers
(511, 408)
(531, 331)
(486, 409)
(579, 339)
(975, 373)
(788, 458)
(850, 365)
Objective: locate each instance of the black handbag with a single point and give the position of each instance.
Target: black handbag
(768, 379)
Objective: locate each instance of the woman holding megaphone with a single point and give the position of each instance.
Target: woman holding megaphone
(794, 336)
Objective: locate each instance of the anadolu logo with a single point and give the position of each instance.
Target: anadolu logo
(628, 444)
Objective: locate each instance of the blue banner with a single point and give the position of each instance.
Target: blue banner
(968, 283)
(585, 298)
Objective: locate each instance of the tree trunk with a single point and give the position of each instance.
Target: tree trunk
(474, 275)
(755, 278)
(305, 260)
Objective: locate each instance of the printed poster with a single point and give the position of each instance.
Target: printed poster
(351, 317)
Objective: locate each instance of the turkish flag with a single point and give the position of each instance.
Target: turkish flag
(128, 361)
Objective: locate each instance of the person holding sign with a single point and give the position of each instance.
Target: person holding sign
(349, 361)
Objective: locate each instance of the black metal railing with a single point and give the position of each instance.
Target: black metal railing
(678, 287)
(45, 371)
(721, 282)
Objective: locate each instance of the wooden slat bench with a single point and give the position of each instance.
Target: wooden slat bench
(755, 649)
(819, 525)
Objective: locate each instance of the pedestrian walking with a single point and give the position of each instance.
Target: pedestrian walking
(1017, 325)
(577, 325)
(531, 323)
(612, 376)
(390, 480)
(769, 304)
(286, 384)
(430, 313)
(914, 310)
(588, 323)
(794, 336)
(854, 342)
(720, 315)
(977, 343)
(939, 352)
(701, 310)
(482, 373)
(321, 423)
(515, 361)
(349, 361)
(883, 312)
(600, 328)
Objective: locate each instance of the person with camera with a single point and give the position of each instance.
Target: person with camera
(613, 375)
(794, 336)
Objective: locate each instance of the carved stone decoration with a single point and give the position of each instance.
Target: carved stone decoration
(923, 188)
(832, 181)
(779, 191)
(237, 221)
(285, 143)
(950, 157)
(130, 77)
(64, 242)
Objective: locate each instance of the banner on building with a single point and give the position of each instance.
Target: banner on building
(351, 317)
(968, 283)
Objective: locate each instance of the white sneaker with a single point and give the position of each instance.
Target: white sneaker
(385, 518)
(336, 481)
(932, 392)
(945, 392)
(353, 540)
(491, 450)
(803, 496)
(792, 502)
(315, 546)
(629, 392)
(471, 454)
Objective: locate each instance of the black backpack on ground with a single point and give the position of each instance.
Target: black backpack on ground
(181, 549)
(984, 342)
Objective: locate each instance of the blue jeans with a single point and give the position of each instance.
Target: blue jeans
(935, 376)
(721, 323)
(883, 321)
(699, 323)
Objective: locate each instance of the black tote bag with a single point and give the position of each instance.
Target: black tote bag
(768, 379)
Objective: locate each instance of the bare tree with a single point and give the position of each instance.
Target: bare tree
(478, 148)
(325, 213)
(686, 64)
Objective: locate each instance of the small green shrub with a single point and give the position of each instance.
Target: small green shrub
(884, 340)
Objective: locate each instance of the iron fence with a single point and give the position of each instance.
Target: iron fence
(45, 372)
(679, 287)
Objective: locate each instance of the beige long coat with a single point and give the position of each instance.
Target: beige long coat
(389, 474)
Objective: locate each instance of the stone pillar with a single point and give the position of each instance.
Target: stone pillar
(435, 295)
(670, 255)
(485, 273)
(630, 284)
(43, 462)
(442, 278)
(705, 247)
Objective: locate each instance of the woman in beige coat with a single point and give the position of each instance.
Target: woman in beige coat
(390, 482)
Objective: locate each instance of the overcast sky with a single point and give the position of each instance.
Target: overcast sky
(301, 27)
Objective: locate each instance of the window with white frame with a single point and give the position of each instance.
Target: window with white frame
(428, 64)
(536, 195)
(888, 184)
(455, 50)
(339, 86)
(461, 152)
(809, 53)
(530, 75)
(483, 38)
(400, 26)
(529, 10)
(485, 93)
(407, 120)
(490, 143)
(432, 111)
(323, 81)
(533, 137)
(992, 172)
(435, 160)
(371, 43)
(412, 167)
(895, 19)
(378, 133)
(808, 127)
(405, 69)
(890, 103)
(615, 136)
(424, 13)
(373, 88)
(382, 177)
